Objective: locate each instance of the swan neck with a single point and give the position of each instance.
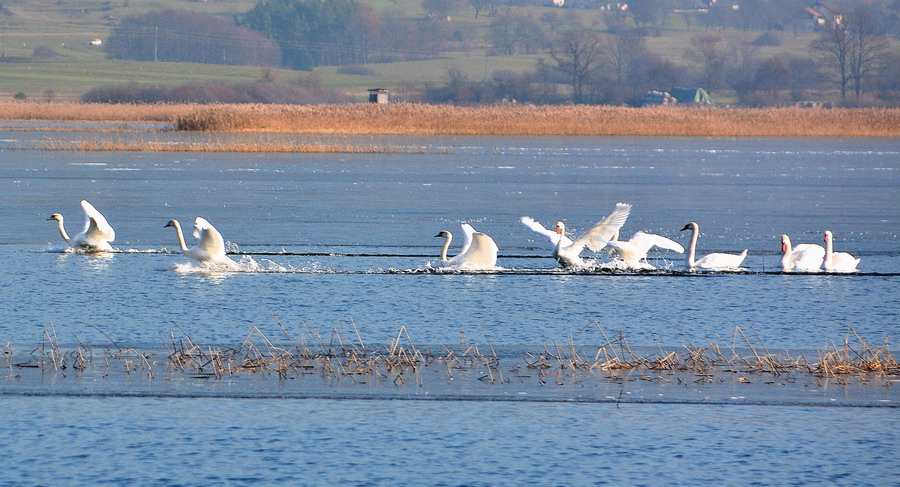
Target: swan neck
(829, 251)
(62, 230)
(446, 246)
(180, 236)
(693, 247)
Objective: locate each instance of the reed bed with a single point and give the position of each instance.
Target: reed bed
(574, 120)
(419, 119)
(336, 356)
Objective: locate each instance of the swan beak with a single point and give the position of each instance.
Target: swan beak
(783, 247)
(558, 229)
(686, 227)
(169, 225)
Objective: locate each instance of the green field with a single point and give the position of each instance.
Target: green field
(67, 27)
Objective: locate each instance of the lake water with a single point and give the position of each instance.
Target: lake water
(345, 241)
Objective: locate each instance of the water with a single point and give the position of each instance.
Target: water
(332, 238)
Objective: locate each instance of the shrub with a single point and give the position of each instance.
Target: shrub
(356, 69)
(768, 39)
(44, 52)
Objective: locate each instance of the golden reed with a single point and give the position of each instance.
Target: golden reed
(419, 119)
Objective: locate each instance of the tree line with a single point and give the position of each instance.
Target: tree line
(582, 64)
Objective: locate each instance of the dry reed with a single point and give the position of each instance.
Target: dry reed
(418, 119)
(340, 357)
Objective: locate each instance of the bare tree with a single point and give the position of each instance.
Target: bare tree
(710, 50)
(834, 48)
(578, 54)
(867, 49)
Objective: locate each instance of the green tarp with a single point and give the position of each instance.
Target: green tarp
(691, 95)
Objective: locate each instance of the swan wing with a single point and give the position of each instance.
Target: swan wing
(211, 240)
(539, 229)
(599, 235)
(645, 241)
(807, 256)
(721, 260)
(482, 252)
(468, 232)
(96, 228)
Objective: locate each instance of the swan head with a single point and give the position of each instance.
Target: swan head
(785, 242)
(828, 236)
(171, 223)
(689, 226)
(55, 216)
(443, 234)
(560, 227)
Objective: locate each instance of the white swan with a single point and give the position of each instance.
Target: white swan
(801, 257)
(837, 261)
(97, 233)
(478, 252)
(710, 261)
(211, 248)
(633, 251)
(566, 251)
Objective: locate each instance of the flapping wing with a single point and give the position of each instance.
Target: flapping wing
(483, 251)
(646, 241)
(468, 231)
(95, 225)
(211, 240)
(597, 237)
(540, 230)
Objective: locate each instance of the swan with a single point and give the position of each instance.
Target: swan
(211, 248)
(478, 252)
(837, 261)
(801, 257)
(566, 251)
(97, 233)
(633, 251)
(710, 261)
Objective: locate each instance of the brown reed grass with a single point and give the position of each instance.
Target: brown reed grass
(340, 357)
(576, 120)
(419, 119)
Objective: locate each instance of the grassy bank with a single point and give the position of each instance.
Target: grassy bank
(416, 119)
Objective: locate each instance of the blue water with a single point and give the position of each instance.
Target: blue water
(332, 238)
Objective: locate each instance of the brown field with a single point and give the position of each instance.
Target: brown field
(417, 119)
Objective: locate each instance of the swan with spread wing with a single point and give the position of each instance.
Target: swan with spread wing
(97, 233)
(568, 252)
(211, 248)
(479, 252)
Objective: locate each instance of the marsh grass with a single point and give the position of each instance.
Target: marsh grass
(335, 357)
(418, 119)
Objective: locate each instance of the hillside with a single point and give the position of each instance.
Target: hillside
(74, 65)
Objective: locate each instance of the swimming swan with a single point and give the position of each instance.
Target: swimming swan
(478, 252)
(566, 251)
(837, 261)
(211, 248)
(710, 261)
(801, 257)
(633, 251)
(97, 233)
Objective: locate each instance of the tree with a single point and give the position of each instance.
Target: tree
(867, 48)
(709, 49)
(309, 32)
(834, 47)
(184, 36)
(578, 55)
